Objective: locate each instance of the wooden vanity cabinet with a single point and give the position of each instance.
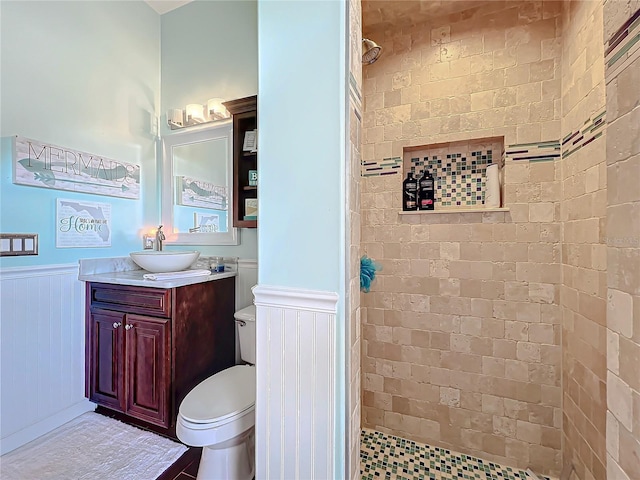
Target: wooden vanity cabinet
(146, 348)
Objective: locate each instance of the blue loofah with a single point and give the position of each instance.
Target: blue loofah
(368, 268)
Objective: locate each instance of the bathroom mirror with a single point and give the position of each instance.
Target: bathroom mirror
(197, 173)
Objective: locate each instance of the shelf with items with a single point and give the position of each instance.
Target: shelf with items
(244, 112)
(455, 210)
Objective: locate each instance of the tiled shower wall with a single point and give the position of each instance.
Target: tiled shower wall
(622, 22)
(354, 329)
(461, 331)
(583, 210)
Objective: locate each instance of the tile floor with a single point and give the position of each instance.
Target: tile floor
(387, 457)
(185, 468)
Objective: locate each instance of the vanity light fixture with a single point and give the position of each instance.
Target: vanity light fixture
(195, 114)
(216, 110)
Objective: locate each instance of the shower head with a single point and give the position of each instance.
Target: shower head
(370, 51)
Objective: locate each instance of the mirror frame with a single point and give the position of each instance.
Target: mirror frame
(195, 135)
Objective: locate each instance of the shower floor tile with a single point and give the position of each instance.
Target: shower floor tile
(387, 457)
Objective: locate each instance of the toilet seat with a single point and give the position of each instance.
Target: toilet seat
(221, 398)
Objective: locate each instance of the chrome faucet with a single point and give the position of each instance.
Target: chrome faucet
(159, 238)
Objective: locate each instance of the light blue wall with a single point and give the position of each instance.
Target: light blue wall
(301, 142)
(85, 76)
(210, 49)
(302, 202)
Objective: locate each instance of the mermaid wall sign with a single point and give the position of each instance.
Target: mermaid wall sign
(198, 193)
(44, 165)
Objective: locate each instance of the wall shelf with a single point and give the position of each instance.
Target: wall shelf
(245, 118)
(455, 210)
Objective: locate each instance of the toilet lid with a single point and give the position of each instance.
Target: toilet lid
(221, 396)
(247, 313)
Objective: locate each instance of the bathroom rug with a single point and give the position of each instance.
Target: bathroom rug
(92, 447)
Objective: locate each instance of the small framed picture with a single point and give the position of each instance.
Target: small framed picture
(251, 209)
(206, 223)
(250, 143)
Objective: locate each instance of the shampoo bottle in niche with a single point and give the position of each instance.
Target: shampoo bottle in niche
(426, 192)
(409, 193)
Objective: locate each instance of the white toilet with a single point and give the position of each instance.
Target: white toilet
(218, 414)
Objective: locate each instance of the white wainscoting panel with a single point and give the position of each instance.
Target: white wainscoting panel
(41, 351)
(296, 383)
(247, 278)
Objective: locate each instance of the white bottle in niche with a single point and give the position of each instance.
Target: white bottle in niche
(492, 187)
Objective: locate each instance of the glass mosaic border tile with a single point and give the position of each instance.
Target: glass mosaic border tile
(385, 456)
(590, 131)
(386, 166)
(623, 47)
(535, 152)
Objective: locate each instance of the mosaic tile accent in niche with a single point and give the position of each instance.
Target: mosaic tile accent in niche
(388, 457)
(459, 170)
(460, 181)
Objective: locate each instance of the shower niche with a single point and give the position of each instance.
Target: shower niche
(460, 173)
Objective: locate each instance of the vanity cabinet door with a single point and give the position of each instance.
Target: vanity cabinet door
(148, 368)
(106, 368)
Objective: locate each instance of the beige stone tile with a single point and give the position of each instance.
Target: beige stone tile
(528, 352)
(528, 432)
(620, 312)
(543, 293)
(516, 370)
(540, 457)
(504, 349)
(630, 453)
(504, 57)
(450, 396)
(544, 375)
(614, 470)
(528, 312)
(481, 307)
(542, 212)
(542, 333)
(492, 290)
(619, 400)
(529, 133)
(471, 288)
(630, 356)
(517, 75)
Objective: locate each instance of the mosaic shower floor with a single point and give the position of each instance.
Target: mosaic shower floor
(387, 457)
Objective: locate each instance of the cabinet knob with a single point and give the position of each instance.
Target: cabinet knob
(128, 327)
(116, 324)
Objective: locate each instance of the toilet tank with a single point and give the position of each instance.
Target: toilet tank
(246, 324)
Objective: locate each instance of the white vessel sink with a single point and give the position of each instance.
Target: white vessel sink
(164, 261)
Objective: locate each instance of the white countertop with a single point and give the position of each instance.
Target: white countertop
(123, 271)
(135, 277)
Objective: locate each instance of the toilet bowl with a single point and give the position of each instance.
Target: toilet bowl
(218, 414)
